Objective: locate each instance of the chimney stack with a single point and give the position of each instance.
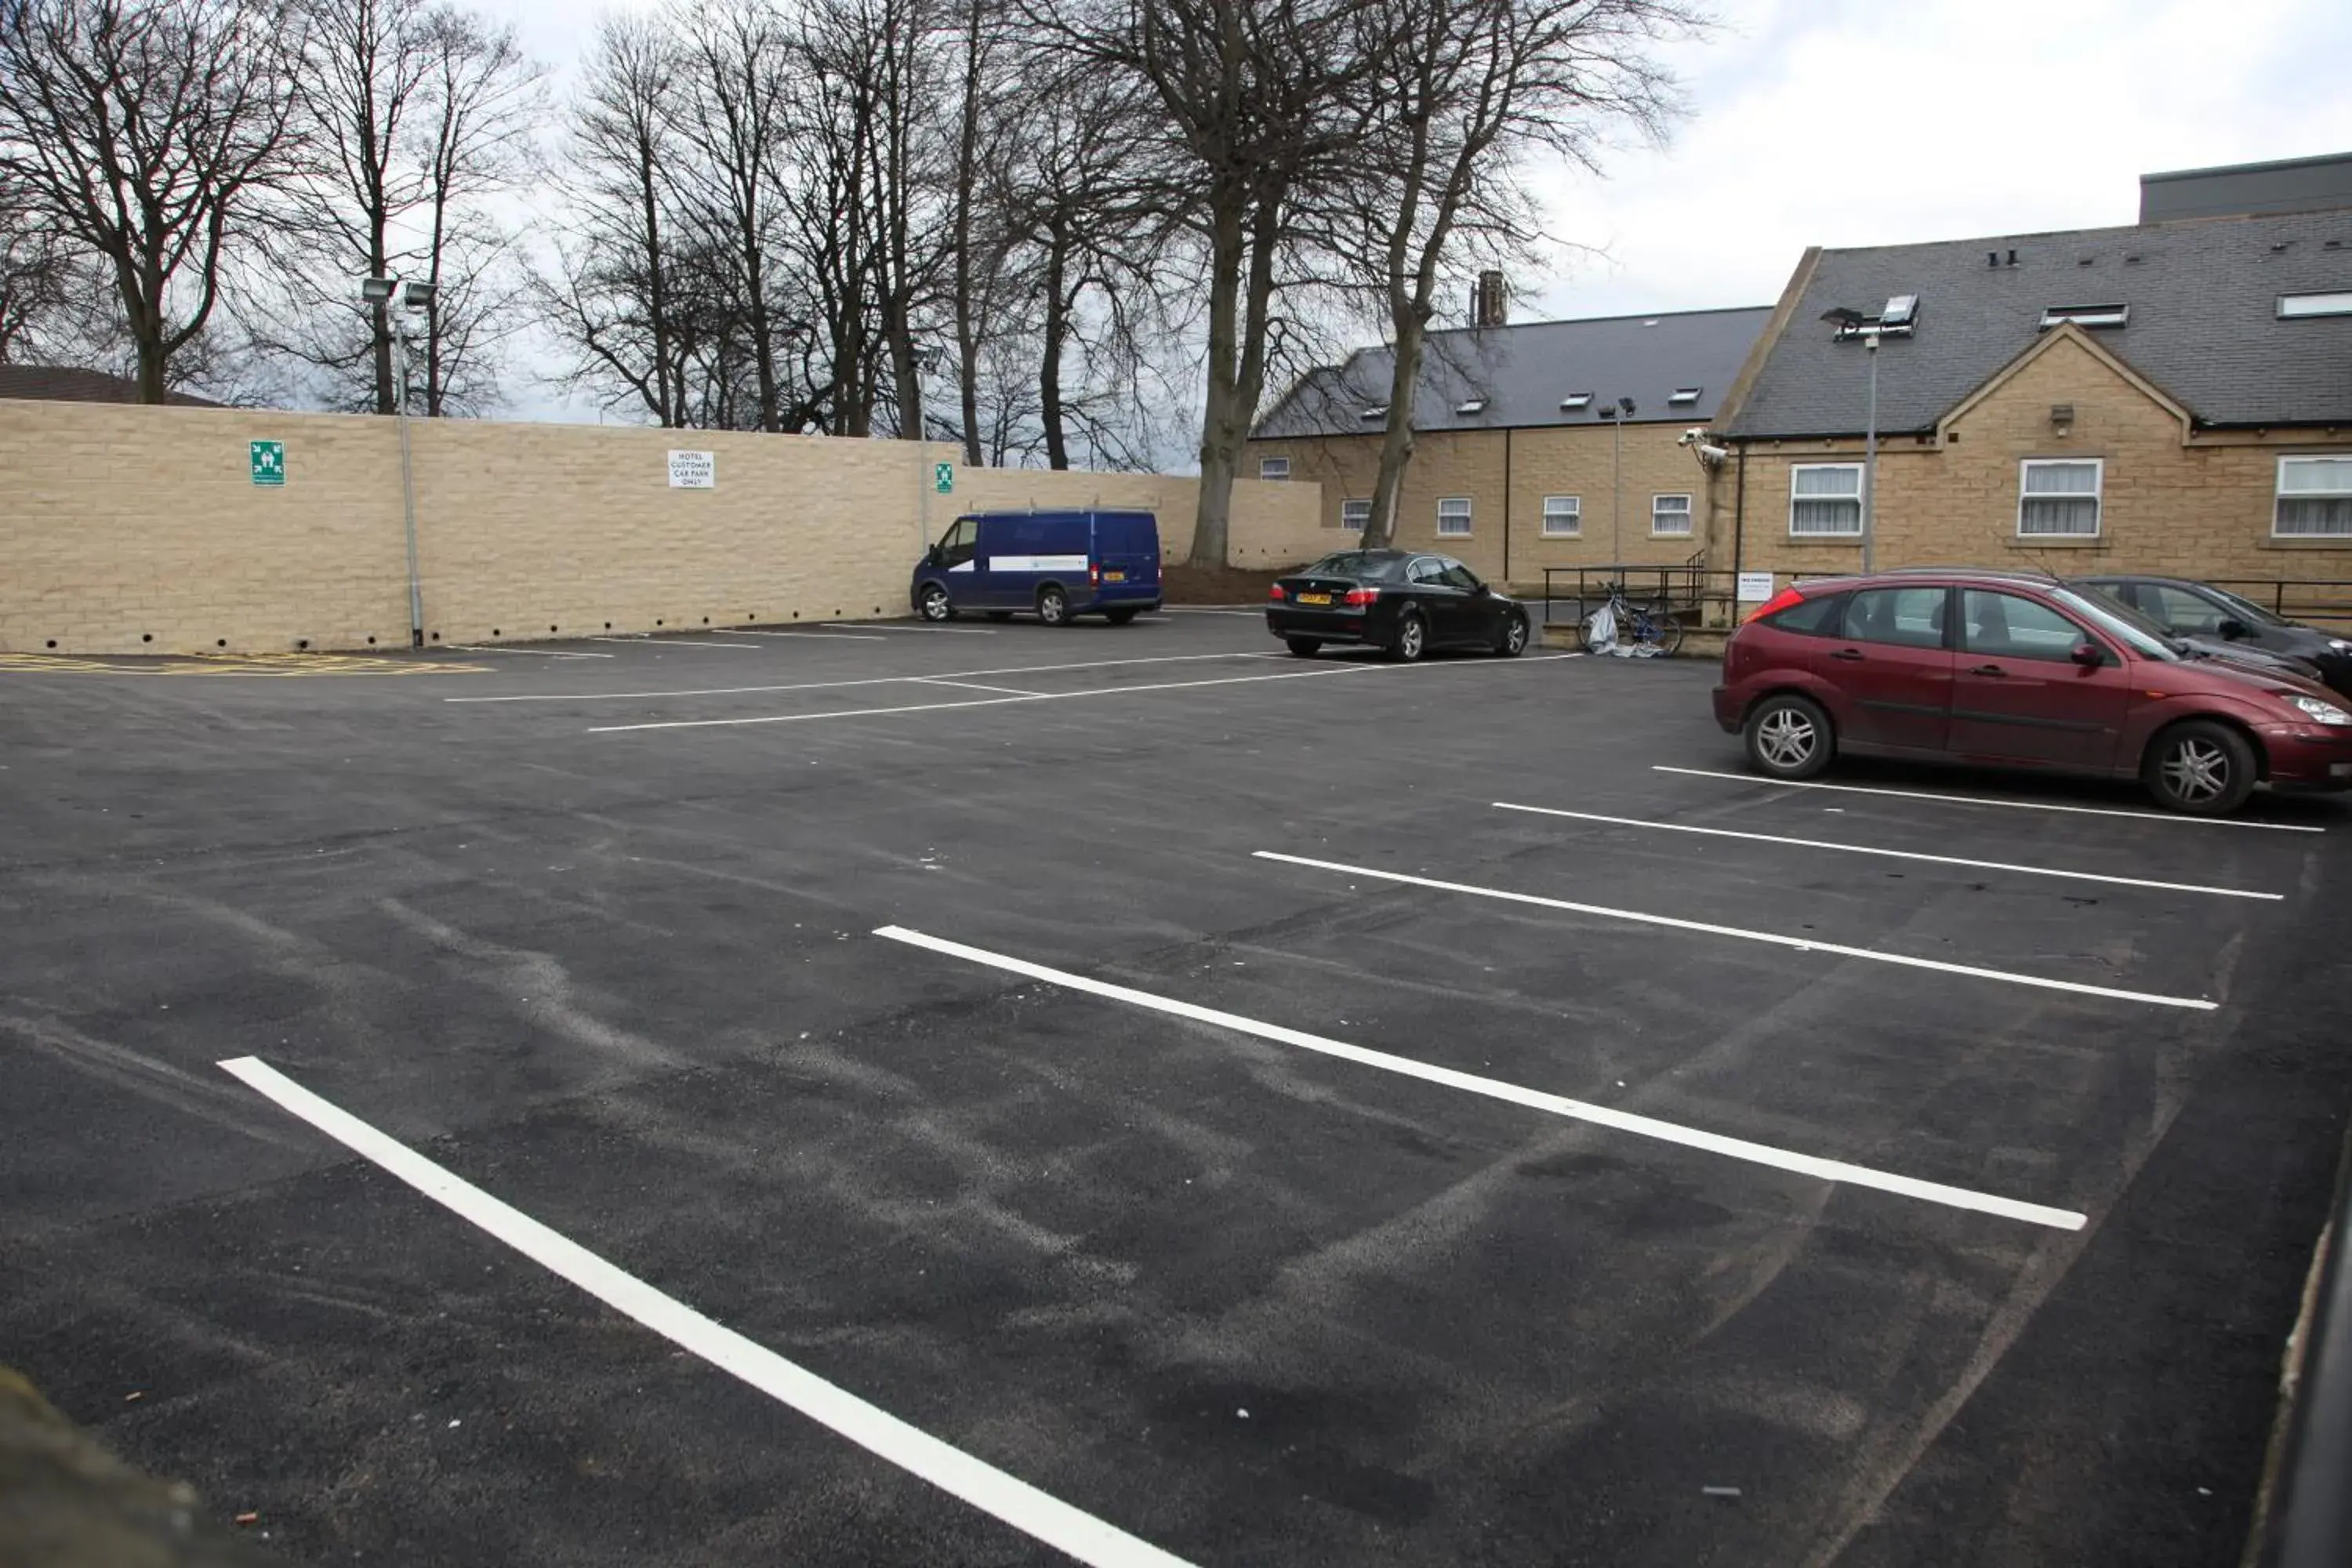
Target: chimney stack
(1490, 302)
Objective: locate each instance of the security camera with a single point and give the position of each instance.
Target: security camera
(1712, 455)
(1693, 436)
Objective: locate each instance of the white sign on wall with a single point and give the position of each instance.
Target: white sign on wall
(693, 471)
(1755, 588)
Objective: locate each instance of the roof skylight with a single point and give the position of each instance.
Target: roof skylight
(2291, 306)
(2085, 315)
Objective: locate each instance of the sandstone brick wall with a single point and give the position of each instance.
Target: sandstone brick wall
(2191, 506)
(129, 529)
(1574, 461)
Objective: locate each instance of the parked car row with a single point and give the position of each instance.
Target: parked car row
(2017, 670)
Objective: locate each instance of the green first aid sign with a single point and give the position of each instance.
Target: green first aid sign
(268, 462)
(943, 477)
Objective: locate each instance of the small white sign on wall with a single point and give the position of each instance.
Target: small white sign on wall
(693, 471)
(1755, 588)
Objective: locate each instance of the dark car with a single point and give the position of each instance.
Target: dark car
(2206, 616)
(1403, 602)
(2203, 645)
(1989, 666)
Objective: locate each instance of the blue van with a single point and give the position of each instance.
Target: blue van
(1053, 565)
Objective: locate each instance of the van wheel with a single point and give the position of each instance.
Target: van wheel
(1411, 638)
(1118, 617)
(1789, 737)
(2200, 767)
(1053, 607)
(933, 604)
(1305, 648)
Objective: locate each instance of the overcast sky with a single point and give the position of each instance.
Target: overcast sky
(1884, 122)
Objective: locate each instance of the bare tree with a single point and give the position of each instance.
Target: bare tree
(157, 136)
(365, 73)
(482, 97)
(1470, 92)
(619, 301)
(39, 279)
(1264, 104)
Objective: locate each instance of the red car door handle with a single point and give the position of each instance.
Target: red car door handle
(1988, 669)
(1848, 653)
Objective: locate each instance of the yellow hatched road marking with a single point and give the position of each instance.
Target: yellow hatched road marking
(272, 665)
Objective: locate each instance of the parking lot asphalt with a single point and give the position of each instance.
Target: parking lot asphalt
(957, 1140)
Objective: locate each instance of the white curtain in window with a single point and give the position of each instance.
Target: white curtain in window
(1826, 500)
(1561, 514)
(2314, 498)
(2060, 499)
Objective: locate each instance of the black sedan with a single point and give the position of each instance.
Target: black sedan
(1405, 603)
(2203, 614)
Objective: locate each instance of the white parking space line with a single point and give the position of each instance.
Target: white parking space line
(992, 1491)
(1893, 854)
(1496, 1088)
(1027, 697)
(828, 637)
(1208, 610)
(682, 642)
(863, 626)
(968, 685)
(861, 680)
(1985, 800)
(541, 652)
(1802, 944)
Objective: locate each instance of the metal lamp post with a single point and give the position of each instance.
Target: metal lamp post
(1854, 323)
(414, 299)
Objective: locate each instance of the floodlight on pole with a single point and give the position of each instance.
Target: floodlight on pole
(1852, 323)
(378, 291)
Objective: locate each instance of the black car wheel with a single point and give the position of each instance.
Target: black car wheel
(1305, 648)
(1412, 637)
(1053, 607)
(2200, 767)
(1789, 737)
(933, 603)
(1513, 639)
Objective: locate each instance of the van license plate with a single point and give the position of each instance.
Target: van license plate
(1314, 598)
(1114, 577)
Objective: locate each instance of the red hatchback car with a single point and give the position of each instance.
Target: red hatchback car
(2017, 671)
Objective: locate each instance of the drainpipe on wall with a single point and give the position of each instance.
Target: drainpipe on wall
(1506, 509)
(1738, 525)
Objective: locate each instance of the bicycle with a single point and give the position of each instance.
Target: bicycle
(1647, 629)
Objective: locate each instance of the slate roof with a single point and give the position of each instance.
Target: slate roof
(1524, 371)
(2204, 322)
(62, 384)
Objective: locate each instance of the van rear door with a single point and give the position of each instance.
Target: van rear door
(1127, 550)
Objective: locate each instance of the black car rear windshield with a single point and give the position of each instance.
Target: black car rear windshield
(1365, 565)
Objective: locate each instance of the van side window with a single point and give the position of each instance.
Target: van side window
(961, 542)
(1908, 617)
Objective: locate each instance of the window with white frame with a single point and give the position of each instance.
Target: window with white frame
(1825, 501)
(1354, 514)
(2315, 498)
(1670, 517)
(2058, 498)
(1454, 516)
(1274, 467)
(1563, 517)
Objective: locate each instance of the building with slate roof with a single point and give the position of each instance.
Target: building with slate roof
(1519, 462)
(2174, 395)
